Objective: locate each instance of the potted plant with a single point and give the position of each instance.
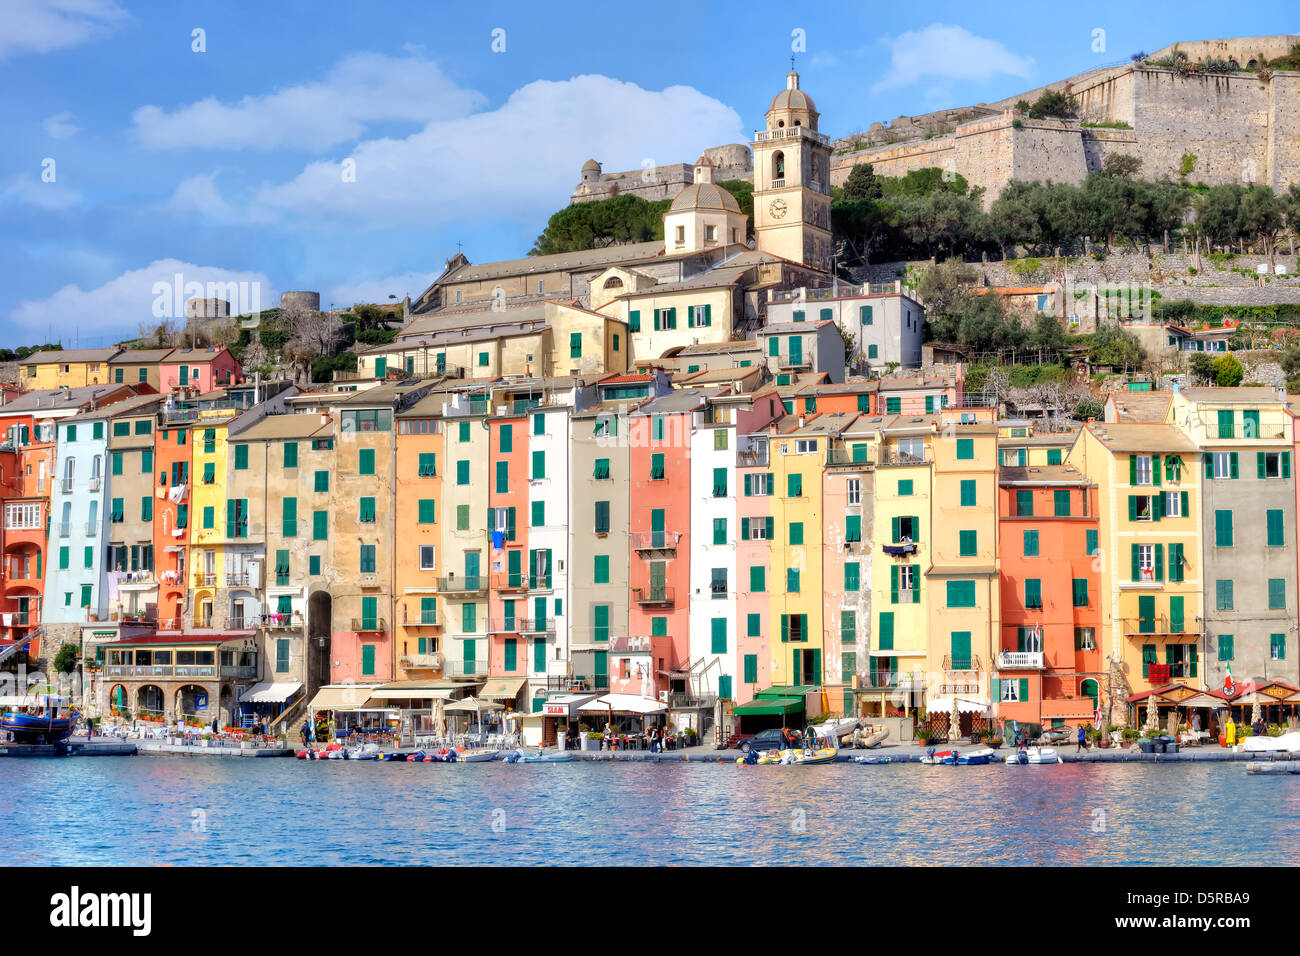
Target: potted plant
(1128, 736)
(923, 734)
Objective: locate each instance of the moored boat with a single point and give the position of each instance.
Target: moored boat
(824, 755)
(936, 757)
(36, 728)
(1030, 755)
(976, 757)
(873, 759)
(481, 755)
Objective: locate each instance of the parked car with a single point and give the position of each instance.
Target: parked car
(770, 739)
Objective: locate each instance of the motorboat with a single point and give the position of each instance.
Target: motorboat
(36, 728)
(935, 757)
(1030, 755)
(976, 757)
(873, 759)
(869, 738)
(837, 728)
(1287, 743)
(443, 755)
(365, 752)
(480, 755)
(554, 757)
(773, 756)
(823, 755)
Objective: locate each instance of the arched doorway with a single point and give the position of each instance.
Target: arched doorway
(117, 700)
(194, 703)
(227, 706)
(1089, 688)
(149, 702)
(320, 625)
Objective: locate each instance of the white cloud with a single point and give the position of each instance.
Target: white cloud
(363, 89)
(60, 126)
(198, 194)
(119, 306)
(518, 161)
(32, 191)
(824, 61)
(949, 52)
(41, 26)
(378, 290)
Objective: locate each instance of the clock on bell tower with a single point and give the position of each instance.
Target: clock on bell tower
(792, 188)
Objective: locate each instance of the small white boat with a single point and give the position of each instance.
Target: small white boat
(837, 728)
(872, 759)
(481, 755)
(1034, 755)
(1287, 743)
(366, 752)
(935, 757)
(976, 757)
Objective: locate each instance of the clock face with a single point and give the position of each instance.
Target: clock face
(777, 208)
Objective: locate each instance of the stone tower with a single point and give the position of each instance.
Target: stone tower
(792, 180)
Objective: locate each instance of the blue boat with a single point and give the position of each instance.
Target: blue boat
(872, 759)
(35, 729)
(975, 757)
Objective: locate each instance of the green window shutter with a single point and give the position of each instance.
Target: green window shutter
(601, 570)
(462, 472)
(241, 457)
(428, 511)
(719, 530)
(719, 482)
(1090, 541)
(1176, 614)
(1223, 528)
(1054, 456)
(961, 655)
(1225, 647)
(320, 526)
(1209, 465)
(886, 636)
(744, 529)
(117, 462)
(1275, 528)
(1025, 504)
(792, 580)
(750, 672)
(322, 482)
(1277, 594)
(366, 461)
(794, 486)
(962, 593)
(1132, 469)
(656, 466)
(510, 649)
(1232, 464)
(851, 575)
(1223, 595)
(893, 584)
(757, 579)
(1158, 570)
(291, 454)
(1061, 500)
(503, 477)
(538, 516)
(967, 493)
(1259, 465)
(967, 547)
(1033, 593)
(769, 524)
(1080, 592)
(634, 320)
(1277, 646)
(366, 510)
(965, 446)
(754, 628)
(1031, 544)
(796, 532)
(718, 644)
(468, 618)
(1024, 688)
(785, 628)
(853, 528)
(209, 517)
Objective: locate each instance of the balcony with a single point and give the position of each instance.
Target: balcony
(790, 132)
(529, 625)
(421, 661)
(539, 582)
(509, 581)
(794, 363)
(654, 595)
(472, 584)
(204, 580)
(475, 668)
(752, 457)
(1157, 626)
(961, 676)
(238, 670)
(369, 625)
(903, 459)
(138, 581)
(420, 619)
(655, 540)
(1020, 660)
(280, 621)
(243, 579)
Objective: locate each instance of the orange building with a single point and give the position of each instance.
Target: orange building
(1049, 669)
(659, 522)
(417, 553)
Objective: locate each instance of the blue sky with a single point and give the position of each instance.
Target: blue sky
(229, 163)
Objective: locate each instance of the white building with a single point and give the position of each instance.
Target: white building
(886, 323)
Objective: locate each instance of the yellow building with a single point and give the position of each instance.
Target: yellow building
(214, 519)
(74, 368)
(964, 598)
(1150, 532)
(1021, 446)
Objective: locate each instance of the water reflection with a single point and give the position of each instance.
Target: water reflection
(231, 812)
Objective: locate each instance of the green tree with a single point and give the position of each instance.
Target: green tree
(1290, 362)
(1116, 346)
(743, 192)
(861, 184)
(594, 225)
(1218, 214)
(1121, 165)
(1262, 215)
(1227, 371)
(1056, 104)
(66, 659)
(1201, 367)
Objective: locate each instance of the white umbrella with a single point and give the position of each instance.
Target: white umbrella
(954, 722)
(1153, 721)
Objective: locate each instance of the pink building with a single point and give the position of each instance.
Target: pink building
(196, 371)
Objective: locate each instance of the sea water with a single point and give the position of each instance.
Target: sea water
(195, 811)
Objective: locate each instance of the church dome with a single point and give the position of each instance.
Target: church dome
(704, 196)
(792, 98)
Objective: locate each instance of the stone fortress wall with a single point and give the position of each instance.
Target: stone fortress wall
(733, 161)
(1242, 127)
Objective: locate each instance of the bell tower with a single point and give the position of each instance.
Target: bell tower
(792, 180)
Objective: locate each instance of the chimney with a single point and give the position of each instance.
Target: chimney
(801, 421)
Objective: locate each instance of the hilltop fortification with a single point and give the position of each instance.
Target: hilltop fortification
(1241, 122)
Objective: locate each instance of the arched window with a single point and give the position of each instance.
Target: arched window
(94, 466)
(778, 165)
(613, 282)
(798, 122)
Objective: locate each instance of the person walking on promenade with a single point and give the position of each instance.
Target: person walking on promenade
(1082, 744)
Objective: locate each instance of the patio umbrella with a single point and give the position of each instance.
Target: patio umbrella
(1255, 714)
(954, 722)
(1153, 721)
(472, 705)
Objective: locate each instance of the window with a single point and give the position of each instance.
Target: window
(720, 482)
(1223, 595)
(503, 477)
(1141, 465)
(796, 532)
(792, 580)
(968, 493)
(1226, 424)
(241, 457)
(366, 461)
(657, 467)
(1061, 503)
(718, 583)
(428, 511)
(1221, 464)
(905, 528)
(962, 593)
(757, 578)
(1090, 539)
(539, 465)
(427, 557)
(428, 464)
(366, 511)
(965, 448)
(1276, 535)
(794, 486)
(1080, 592)
(367, 559)
(320, 525)
(575, 345)
(853, 489)
(1034, 593)
(1223, 529)
(1273, 464)
(601, 569)
(602, 517)
(719, 530)
(1277, 647)
(1031, 544)
(313, 565)
(720, 439)
(852, 576)
(1025, 504)
(1085, 639)
(291, 454)
(462, 472)
(1277, 594)
(1225, 647)
(1172, 504)
(462, 517)
(322, 482)
(852, 528)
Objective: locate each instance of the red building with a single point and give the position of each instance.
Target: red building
(197, 371)
(1050, 666)
(172, 451)
(26, 464)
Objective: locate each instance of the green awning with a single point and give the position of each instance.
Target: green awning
(783, 691)
(770, 705)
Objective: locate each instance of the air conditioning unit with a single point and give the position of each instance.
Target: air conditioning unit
(502, 409)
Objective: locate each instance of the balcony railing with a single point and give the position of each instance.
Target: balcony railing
(242, 579)
(539, 582)
(655, 540)
(846, 456)
(752, 457)
(369, 624)
(655, 594)
(789, 361)
(474, 668)
(422, 661)
(789, 132)
(1155, 626)
(471, 584)
(509, 581)
(902, 460)
(279, 619)
(65, 528)
(1021, 660)
(539, 625)
(204, 580)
